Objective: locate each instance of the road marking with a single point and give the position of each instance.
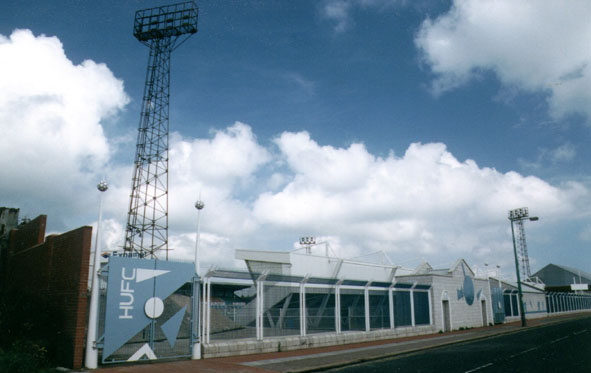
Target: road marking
(559, 339)
(478, 368)
(524, 352)
(580, 332)
(344, 352)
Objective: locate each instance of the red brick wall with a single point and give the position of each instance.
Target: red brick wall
(55, 271)
(29, 235)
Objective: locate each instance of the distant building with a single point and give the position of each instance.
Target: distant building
(8, 222)
(562, 278)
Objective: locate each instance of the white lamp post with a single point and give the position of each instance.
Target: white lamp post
(199, 205)
(91, 359)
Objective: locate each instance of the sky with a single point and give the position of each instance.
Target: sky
(402, 127)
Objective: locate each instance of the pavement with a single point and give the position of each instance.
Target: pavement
(315, 359)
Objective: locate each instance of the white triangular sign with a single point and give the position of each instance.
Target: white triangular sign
(145, 350)
(146, 274)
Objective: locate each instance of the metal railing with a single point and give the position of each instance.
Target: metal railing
(239, 305)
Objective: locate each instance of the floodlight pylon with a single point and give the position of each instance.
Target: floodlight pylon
(518, 216)
(524, 256)
(162, 29)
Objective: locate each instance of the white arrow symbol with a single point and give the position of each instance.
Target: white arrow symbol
(146, 274)
(144, 350)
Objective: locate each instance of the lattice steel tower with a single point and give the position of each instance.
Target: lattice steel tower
(523, 255)
(162, 29)
(518, 216)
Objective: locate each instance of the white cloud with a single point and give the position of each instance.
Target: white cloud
(425, 202)
(339, 11)
(214, 250)
(218, 170)
(564, 153)
(50, 119)
(230, 157)
(535, 45)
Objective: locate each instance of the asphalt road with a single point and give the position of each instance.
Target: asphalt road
(563, 347)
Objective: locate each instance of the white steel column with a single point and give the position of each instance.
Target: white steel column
(260, 304)
(259, 310)
(196, 327)
(366, 298)
(205, 312)
(429, 293)
(208, 310)
(303, 323)
(412, 305)
(391, 305)
(203, 308)
(337, 306)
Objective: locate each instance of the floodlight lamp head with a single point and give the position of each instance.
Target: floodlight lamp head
(102, 186)
(165, 21)
(518, 214)
(307, 241)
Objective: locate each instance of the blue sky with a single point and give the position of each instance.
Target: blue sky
(410, 127)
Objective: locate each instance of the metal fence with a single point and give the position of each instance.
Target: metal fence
(239, 305)
(567, 302)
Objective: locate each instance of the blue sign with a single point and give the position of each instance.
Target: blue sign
(467, 290)
(136, 290)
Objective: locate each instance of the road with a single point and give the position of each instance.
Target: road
(562, 347)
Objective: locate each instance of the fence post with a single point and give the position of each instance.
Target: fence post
(196, 321)
(260, 304)
(205, 312)
(412, 305)
(303, 325)
(366, 304)
(337, 307)
(391, 304)
(429, 293)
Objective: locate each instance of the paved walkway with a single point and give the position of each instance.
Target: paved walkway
(318, 358)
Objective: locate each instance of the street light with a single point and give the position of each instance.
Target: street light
(519, 215)
(91, 359)
(199, 205)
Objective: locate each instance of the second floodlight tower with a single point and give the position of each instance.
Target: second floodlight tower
(162, 29)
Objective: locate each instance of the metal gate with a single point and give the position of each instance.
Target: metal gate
(498, 305)
(149, 310)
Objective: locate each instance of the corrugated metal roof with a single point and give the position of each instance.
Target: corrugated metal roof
(560, 275)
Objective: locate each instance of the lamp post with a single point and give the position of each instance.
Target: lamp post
(199, 205)
(519, 215)
(91, 358)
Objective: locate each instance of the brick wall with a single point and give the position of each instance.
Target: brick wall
(27, 236)
(54, 273)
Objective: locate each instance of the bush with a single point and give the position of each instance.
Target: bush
(27, 334)
(25, 357)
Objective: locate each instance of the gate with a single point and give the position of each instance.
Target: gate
(498, 305)
(149, 310)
